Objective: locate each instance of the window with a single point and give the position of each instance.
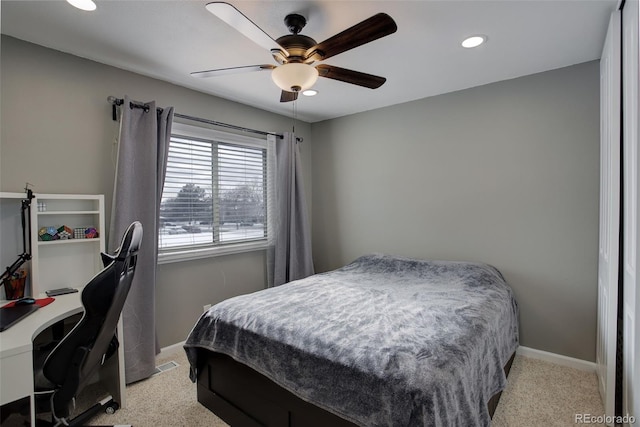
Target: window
(214, 199)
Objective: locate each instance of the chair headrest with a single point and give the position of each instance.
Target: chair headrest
(130, 241)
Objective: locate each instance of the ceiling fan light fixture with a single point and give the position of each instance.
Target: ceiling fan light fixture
(473, 41)
(294, 77)
(87, 5)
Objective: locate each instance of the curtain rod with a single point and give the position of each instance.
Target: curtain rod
(119, 101)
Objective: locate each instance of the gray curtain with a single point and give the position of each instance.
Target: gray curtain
(140, 170)
(289, 255)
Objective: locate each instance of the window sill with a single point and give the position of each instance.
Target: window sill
(192, 254)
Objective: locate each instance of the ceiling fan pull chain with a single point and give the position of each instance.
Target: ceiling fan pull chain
(295, 116)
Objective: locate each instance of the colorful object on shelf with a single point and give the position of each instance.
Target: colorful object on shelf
(48, 233)
(65, 233)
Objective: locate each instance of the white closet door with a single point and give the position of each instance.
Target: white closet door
(609, 213)
(631, 352)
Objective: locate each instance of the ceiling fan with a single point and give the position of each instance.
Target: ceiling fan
(296, 52)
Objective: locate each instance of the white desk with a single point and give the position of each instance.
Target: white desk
(16, 346)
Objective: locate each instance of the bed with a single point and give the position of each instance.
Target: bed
(382, 341)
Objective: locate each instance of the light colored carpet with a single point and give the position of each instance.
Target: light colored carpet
(539, 394)
(165, 399)
(545, 394)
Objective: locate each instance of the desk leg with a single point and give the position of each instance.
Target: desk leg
(112, 373)
(32, 409)
(16, 379)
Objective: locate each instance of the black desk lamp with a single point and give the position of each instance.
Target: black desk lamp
(25, 213)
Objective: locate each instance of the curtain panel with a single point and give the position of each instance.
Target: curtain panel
(140, 170)
(289, 256)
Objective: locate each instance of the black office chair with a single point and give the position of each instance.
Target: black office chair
(78, 356)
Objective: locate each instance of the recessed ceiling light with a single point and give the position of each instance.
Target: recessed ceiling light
(473, 41)
(87, 5)
(310, 92)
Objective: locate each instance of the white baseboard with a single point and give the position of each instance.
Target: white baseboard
(171, 349)
(558, 359)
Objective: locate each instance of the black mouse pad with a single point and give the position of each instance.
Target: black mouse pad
(10, 315)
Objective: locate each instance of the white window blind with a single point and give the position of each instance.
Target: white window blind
(215, 191)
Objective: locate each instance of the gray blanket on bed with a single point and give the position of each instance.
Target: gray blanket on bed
(383, 341)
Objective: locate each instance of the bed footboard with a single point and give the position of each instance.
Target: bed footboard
(242, 397)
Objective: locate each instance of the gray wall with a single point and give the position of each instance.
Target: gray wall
(506, 174)
(57, 133)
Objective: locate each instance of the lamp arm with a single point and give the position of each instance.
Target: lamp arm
(22, 258)
(25, 211)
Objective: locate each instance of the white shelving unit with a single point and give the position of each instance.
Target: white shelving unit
(65, 263)
(62, 263)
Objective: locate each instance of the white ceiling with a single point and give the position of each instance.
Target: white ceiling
(169, 39)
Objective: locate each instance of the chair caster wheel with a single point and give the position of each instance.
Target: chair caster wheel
(111, 408)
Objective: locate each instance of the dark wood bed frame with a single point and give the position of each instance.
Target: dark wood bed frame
(242, 397)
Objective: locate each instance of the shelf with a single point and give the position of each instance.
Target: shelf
(66, 262)
(9, 195)
(68, 213)
(66, 242)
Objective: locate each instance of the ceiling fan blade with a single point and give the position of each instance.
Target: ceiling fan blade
(244, 25)
(232, 70)
(287, 96)
(370, 29)
(350, 76)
